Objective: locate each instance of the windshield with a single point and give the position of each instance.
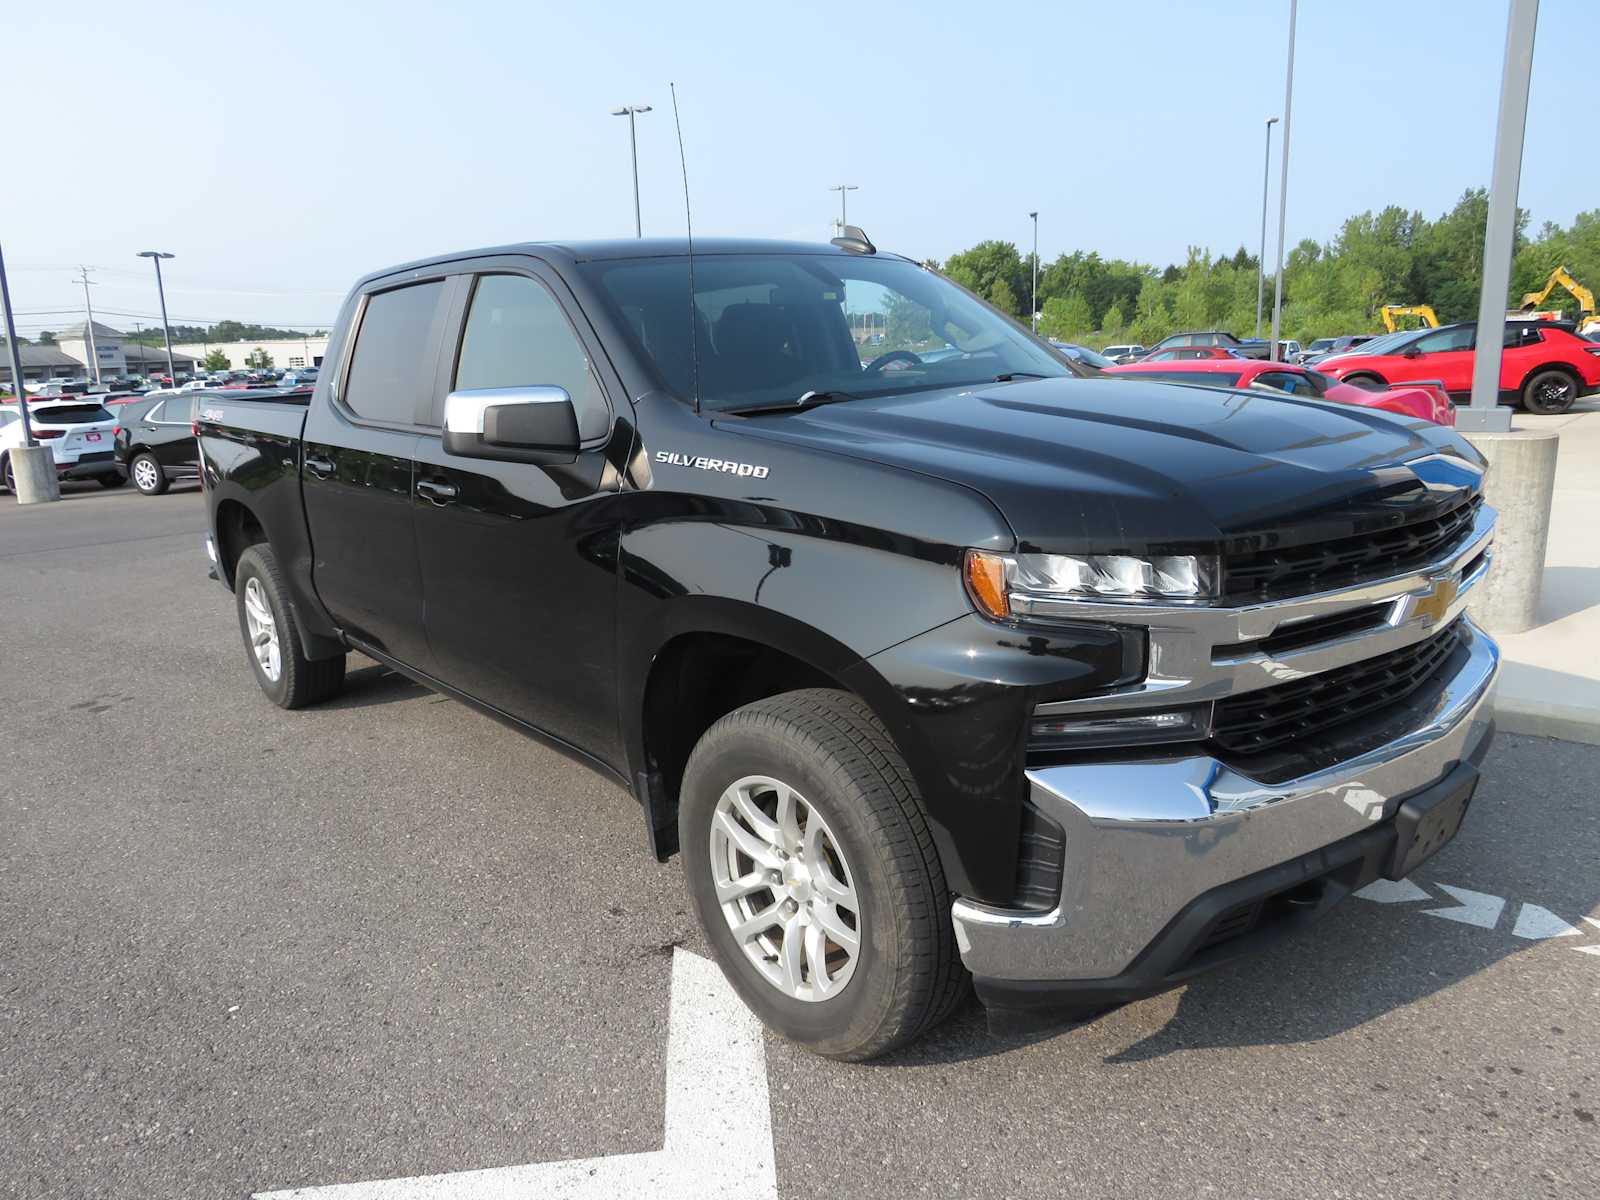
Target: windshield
(69, 414)
(1389, 343)
(771, 328)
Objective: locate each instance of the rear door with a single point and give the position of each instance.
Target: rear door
(519, 560)
(356, 470)
(171, 435)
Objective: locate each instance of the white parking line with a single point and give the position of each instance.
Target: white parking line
(718, 1140)
(1482, 910)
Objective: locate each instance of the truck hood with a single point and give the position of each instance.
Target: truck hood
(1130, 465)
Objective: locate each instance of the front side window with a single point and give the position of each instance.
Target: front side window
(1459, 338)
(766, 329)
(391, 367)
(517, 336)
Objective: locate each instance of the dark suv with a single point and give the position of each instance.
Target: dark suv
(155, 442)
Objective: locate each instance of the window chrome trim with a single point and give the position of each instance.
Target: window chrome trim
(1184, 665)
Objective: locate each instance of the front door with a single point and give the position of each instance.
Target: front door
(519, 560)
(1445, 356)
(357, 471)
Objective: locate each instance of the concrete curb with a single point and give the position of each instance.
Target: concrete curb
(1568, 722)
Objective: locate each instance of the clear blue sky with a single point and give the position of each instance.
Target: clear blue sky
(318, 141)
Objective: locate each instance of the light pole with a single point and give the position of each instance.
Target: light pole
(16, 359)
(631, 111)
(1035, 305)
(1484, 414)
(1261, 259)
(842, 189)
(156, 256)
(1283, 185)
(88, 324)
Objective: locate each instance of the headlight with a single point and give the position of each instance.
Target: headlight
(1020, 585)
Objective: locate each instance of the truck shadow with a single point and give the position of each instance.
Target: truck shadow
(1366, 959)
(372, 683)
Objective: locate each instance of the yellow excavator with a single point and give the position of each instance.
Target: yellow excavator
(1423, 311)
(1588, 320)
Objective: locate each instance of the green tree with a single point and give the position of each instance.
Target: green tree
(215, 360)
(988, 263)
(1003, 298)
(1066, 318)
(258, 359)
(1111, 324)
(46, 338)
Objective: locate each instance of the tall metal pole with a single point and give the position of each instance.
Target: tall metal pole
(88, 324)
(1283, 185)
(1261, 259)
(1035, 309)
(156, 256)
(843, 189)
(630, 111)
(1485, 414)
(16, 357)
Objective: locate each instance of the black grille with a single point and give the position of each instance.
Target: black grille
(1302, 570)
(1260, 720)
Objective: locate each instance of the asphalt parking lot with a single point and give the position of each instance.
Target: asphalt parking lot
(244, 950)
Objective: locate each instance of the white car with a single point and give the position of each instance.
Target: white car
(78, 431)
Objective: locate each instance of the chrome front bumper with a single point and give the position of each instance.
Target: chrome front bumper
(1145, 839)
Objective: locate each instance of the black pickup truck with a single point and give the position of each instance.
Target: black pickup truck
(935, 659)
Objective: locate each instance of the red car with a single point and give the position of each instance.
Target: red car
(1544, 367)
(1416, 400)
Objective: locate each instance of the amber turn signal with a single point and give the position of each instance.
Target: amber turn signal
(986, 583)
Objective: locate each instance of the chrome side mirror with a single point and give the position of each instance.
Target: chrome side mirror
(513, 424)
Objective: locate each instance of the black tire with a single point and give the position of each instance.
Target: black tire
(147, 474)
(111, 481)
(1362, 379)
(828, 746)
(7, 478)
(301, 681)
(1548, 391)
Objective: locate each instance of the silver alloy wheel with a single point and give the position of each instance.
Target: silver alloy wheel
(145, 475)
(785, 889)
(263, 629)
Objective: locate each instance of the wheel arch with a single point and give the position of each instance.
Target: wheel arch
(707, 657)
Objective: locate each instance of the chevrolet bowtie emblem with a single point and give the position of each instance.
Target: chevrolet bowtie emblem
(1437, 602)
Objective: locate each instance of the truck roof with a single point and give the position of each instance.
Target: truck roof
(609, 248)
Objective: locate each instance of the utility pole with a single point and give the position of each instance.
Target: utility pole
(1484, 414)
(156, 256)
(630, 111)
(1261, 259)
(31, 466)
(843, 189)
(88, 324)
(1035, 304)
(16, 358)
(1283, 186)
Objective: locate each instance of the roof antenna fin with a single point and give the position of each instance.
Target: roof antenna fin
(688, 224)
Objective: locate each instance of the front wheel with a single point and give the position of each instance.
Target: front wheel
(1549, 392)
(272, 639)
(814, 875)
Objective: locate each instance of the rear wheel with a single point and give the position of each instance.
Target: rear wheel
(272, 638)
(7, 477)
(1549, 391)
(815, 877)
(147, 475)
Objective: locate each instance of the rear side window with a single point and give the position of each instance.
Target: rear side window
(517, 336)
(392, 365)
(177, 411)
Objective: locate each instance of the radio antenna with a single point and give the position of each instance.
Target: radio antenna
(688, 224)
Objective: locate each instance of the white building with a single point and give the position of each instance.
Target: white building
(306, 351)
(116, 356)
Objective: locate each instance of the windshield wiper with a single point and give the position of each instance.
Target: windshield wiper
(807, 400)
(1008, 376)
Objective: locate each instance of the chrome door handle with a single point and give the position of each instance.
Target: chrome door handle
(437, 492)
(322, 468)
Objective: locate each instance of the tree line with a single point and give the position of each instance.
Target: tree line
(1329, 288)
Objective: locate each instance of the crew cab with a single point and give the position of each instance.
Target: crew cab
(77, 430)
(931, 670)
(1544, 365)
